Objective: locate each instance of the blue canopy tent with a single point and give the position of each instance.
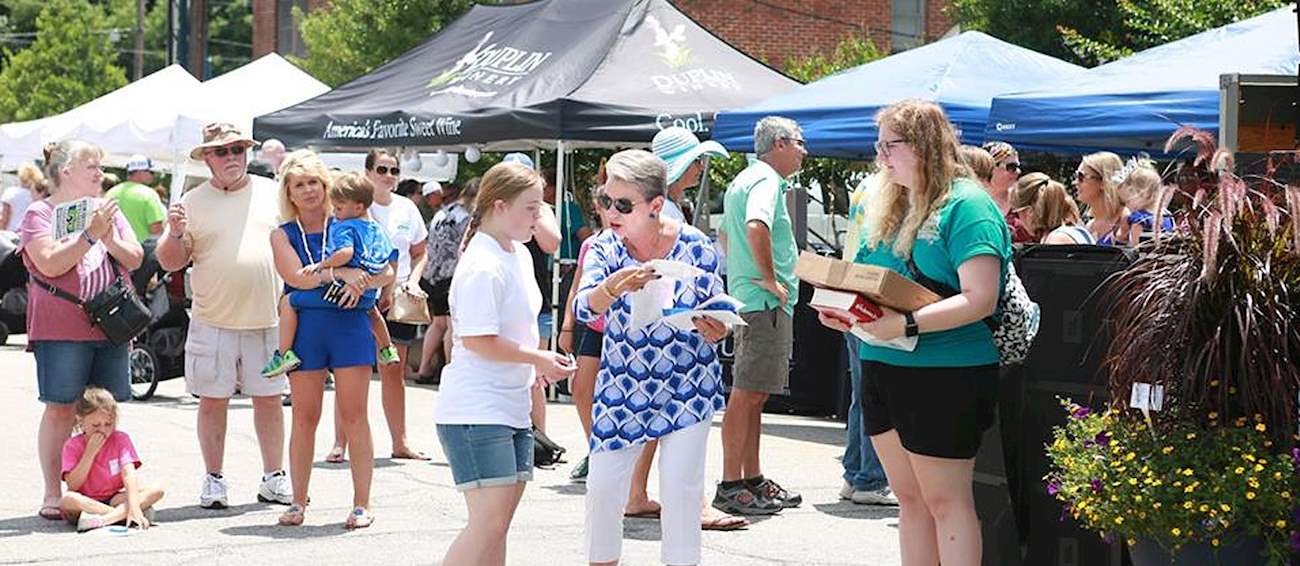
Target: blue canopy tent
(1135, 103)
(961, 73)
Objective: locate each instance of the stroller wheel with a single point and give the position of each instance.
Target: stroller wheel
(144, 372)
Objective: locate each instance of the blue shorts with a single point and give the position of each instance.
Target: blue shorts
(487, 455)
(64, 368)
(545, 321)
(334, 339)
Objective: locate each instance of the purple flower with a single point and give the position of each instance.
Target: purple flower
(1079, 412)
(1295, 541)
(1053, 488)
(1107, 538)
(1102, 438)
(1096, 486)
(1295, 456)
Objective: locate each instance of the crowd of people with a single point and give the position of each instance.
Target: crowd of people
(302, 290)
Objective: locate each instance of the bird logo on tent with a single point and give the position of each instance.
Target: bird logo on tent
(675, 54)
(452, 75)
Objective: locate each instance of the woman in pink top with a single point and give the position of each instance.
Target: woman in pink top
(70, 353)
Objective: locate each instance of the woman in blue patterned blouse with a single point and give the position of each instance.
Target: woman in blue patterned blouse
(655, 382)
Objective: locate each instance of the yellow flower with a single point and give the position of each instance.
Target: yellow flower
(1253, 483)
(1137, 498)
(1191, 436)
(1204, 508)
(1187, 472)
(1280, 524)
(1187, 505)
(1156, 505)
(1250, 495)
(1120, 521)
(1189, 488)
(1214, 383)
(1214, 541)
(1167, 449)
(1239, 470)
(1213, 415)
(1226, 508)
(1129, 457)
(1260, 427)
(1132, 481)
(1176, 531)
(1258, 468)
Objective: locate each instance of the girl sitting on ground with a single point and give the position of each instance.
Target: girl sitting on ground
(99, 467)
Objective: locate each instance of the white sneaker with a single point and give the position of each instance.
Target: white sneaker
(275, 488)
(846, 491)
(213, 495)
(882, 496)
(89, 522)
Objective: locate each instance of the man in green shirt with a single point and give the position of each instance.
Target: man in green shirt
(759, 240)
(138, 201)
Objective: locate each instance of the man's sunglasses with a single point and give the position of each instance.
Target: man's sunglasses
(385, 170)
(228, 150)
(622, 205)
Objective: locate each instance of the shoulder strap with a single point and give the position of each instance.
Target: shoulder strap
(57, 292)
(942, 289)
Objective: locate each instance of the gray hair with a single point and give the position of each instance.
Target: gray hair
(641, 168)
(770, 129)
(65, 154)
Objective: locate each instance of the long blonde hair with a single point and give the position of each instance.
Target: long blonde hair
(1106, 164)
(504, 182)
(302, 163)
(897, 212)
(1054, 208)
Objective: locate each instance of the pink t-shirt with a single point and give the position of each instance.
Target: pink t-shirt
(599, 324)
(105, 476)
(52, 318)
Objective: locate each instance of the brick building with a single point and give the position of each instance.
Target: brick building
(772, 30)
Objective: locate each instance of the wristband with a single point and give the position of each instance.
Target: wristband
(910, 329)
(85, 235)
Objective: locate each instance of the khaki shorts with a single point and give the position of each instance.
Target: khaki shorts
(763, 352)
(219, 362)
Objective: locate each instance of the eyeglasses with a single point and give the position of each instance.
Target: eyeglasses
(228, 150)
(622, 205)
(1080, 176)
(886, 147)
(385, 170)
(1012, 167)
(797, 141)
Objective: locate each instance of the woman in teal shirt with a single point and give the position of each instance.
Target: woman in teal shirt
(927, 409)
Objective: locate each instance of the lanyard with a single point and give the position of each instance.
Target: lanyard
(307, 248)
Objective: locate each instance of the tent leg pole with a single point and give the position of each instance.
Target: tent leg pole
(556, 305)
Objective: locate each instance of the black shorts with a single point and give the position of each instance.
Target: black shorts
(438, 293)
(589, 343)
(401, 333)
(939, 412)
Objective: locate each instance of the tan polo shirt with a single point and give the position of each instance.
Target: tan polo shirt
(234, 281)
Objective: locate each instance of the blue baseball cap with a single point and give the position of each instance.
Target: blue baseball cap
(517, 157)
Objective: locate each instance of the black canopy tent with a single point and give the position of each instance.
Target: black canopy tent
(588, 72)
(555, 74)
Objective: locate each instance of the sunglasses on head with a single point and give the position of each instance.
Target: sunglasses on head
(622, 205)
(228, 150)
(385, 170)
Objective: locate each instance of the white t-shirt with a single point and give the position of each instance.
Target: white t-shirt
(493, 293)
(404, 226)
(18, 199)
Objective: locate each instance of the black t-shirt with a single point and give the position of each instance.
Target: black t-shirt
(542, 271)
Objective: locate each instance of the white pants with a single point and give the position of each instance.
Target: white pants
(681, 490)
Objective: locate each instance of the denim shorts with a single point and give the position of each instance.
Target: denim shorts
(64, 368)
(487, 455)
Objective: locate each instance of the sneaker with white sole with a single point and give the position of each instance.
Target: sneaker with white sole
(213, 495)
(89, 522)
(275, 488)
(883, 496)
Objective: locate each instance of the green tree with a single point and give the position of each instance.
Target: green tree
(64, 67)
(353, 37)
(1150, 23)
(1088, 32)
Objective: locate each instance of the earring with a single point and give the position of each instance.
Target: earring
(653, 215)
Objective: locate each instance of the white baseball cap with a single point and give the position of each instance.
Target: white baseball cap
(430, 188)
(139, 163)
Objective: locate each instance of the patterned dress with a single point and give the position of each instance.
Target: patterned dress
(653, 380)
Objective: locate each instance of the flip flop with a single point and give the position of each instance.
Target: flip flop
(359, 518)
(412, 455)
(724, 523)
(335, 456)
(292, 517)
(51, 513)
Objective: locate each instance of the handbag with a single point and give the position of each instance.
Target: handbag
(1014, 322)
(546, 453)
(409, 308)
(117, 311)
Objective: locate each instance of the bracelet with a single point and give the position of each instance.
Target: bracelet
(563, 330)
(611, 296)
(332, 277)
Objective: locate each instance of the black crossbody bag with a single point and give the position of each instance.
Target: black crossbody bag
(117, 311)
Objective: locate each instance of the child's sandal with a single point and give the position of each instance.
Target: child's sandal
(359, 518)
(293, 516)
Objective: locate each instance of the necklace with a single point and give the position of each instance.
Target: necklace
(302, 234)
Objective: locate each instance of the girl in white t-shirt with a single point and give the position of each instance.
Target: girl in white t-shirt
(483, 408)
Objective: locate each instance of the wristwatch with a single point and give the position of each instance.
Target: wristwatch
(85, 235)
(911, 329)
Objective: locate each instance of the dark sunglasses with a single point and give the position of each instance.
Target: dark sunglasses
(1012, 167)
(1080, 176)
(385, 170)
(622, 205)
(228, 150)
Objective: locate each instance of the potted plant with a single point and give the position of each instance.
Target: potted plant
(1205, 316)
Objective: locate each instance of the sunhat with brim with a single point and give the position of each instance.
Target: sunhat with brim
(679, 148)
(220, 134)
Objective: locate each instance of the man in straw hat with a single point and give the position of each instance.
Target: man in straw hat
(224, 227)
